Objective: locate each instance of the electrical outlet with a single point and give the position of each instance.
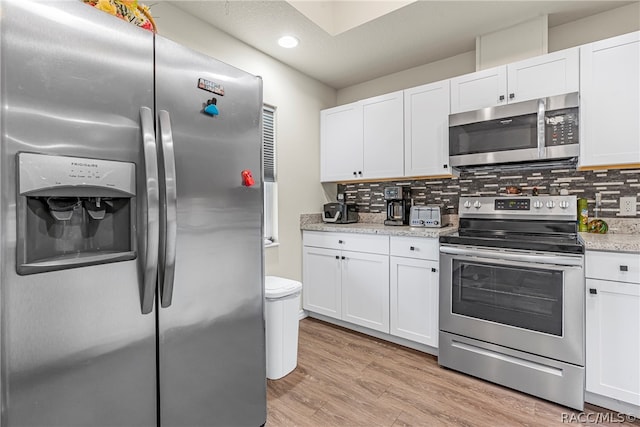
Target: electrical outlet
(628, 206)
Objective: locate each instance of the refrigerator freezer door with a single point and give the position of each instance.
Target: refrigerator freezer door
(76, 349)
(211, 343)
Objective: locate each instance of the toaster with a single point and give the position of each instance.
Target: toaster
(339, 213)
(427, 216)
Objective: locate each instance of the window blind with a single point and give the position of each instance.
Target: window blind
(268, 144)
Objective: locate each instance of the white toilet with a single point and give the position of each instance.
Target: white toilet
(282, 304)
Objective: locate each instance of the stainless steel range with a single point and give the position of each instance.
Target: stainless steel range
(512, 295)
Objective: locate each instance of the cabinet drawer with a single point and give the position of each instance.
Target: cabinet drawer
(370, 243)
(415, 247)
(619, 267)
(322, 239)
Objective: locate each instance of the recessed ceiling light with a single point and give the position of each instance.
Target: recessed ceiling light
(288, 41)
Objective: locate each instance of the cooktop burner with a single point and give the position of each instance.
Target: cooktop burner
(546, 223)
(538, 243)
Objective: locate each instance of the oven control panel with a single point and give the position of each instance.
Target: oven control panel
(512, 204)
(519, 207)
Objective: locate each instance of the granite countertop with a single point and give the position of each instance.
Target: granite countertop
(615, 242)
(623, 236)
(381, 229)
(373, 224)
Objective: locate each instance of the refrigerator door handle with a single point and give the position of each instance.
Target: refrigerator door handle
(150, 269)
(169, 226)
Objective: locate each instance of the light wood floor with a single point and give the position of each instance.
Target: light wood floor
(345, 378)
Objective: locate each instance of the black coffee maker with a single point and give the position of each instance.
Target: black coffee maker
(398, 200)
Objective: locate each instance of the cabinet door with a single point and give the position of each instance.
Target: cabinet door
(610, 101)
(486, 88)
(365, 290)
(426, 130)
(547, 75)
(321, 292)
(383, 144)
(341, 143)
(414, 300)
(613, 340)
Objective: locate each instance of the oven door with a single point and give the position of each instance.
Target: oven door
(530, 302)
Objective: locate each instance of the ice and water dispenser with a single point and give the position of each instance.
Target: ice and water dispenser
(73, 212)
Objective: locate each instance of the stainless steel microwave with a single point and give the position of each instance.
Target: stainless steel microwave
(541, 129)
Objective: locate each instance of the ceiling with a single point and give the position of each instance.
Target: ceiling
(415, 34)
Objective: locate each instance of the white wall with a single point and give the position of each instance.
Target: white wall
(433, 72)
(519, 41)
(597, 27)
(298, 99)
(615, 22)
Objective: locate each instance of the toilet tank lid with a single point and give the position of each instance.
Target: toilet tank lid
(276, 287)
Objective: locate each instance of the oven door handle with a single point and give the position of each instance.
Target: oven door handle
(510, 256)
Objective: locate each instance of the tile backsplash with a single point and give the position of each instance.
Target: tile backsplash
(611, 184)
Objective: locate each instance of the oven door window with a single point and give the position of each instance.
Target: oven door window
(514, 133)
(528, 298)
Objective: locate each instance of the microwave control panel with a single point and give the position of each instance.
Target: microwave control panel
(561, 127)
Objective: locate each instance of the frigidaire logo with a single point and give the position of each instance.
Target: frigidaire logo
(86, 165)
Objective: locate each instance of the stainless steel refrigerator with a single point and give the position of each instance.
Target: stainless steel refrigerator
(131, 236)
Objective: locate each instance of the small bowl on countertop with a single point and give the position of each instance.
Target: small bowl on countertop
(512, 189)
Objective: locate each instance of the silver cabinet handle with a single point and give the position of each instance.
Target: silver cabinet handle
(168, 213)
(150, 270)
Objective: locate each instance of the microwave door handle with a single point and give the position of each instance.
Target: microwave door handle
(169, 229)
(150, 267)
(542, 151)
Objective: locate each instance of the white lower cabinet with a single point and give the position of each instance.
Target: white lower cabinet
(346, 277)
(386, 284)
(414, 289)
(322, 289)
(613, 325)
(365, 290)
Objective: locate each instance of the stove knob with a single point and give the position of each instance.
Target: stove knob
(538, 204)
(477, 204)
(550, 204)
(467, 204)
(564, 204)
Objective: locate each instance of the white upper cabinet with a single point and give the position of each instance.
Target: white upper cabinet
(363, 140)
(547, 75)
(610, 101)
(477, 90)
(426, 130)
(383, 129)
(341, 142)
(539, 77)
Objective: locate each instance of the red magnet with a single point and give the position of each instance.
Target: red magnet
(247, 178)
